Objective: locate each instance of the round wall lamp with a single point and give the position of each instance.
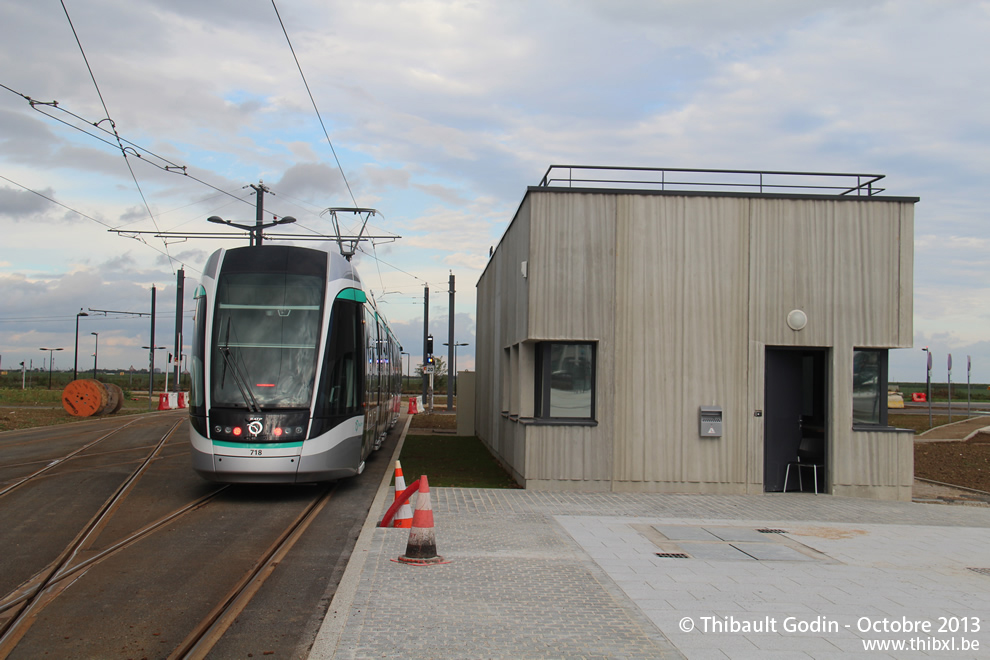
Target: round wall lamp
(797, 319)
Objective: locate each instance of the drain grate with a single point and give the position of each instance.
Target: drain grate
(772, 531)
(672, 555)
(981, 571)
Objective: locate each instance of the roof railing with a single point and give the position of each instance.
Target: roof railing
(681, 179)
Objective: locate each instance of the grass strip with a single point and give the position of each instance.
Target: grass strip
(452, 461)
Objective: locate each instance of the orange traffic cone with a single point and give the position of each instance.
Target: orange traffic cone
(405, 515)
(421, 549)
(412, 406)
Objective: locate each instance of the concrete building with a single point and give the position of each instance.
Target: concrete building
(698, 331)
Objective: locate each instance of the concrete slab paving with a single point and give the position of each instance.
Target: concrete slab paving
(770, 552)
(685, 533)
(560, 575)
(715, 552)
(737, 534)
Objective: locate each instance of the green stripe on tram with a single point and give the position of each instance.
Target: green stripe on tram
(259, 445)
(353, 294)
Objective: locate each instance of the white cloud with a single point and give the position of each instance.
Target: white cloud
(441, 113)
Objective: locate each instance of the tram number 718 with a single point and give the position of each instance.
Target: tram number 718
(255, 452)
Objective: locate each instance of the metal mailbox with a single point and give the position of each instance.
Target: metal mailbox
(710, 422)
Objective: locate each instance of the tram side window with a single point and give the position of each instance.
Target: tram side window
(372, 357)
(343, 360)
(197, 385)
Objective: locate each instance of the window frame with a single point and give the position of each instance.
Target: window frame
(881, 393)
(542, 387)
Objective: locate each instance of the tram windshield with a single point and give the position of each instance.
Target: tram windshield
(265, 340)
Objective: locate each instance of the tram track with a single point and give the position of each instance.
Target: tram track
(29, 600)
(56, 462)
(111, 559)
(204, 636)
(99, 454)
(38, 581)
(51, 580)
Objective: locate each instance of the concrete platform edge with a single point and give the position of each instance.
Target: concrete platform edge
(325, 645)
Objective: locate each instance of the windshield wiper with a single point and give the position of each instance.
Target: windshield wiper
(246, 394)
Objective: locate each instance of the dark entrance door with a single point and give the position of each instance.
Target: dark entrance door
(796, 385)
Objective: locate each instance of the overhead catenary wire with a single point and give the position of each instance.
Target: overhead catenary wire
(393, 267)
(313, 101)
(96, 220)
(135, 149)
(53, 201)
(113, 138)
(112, 316)
(326, 133)
(120, 144)
(212, 210)
(143, 153)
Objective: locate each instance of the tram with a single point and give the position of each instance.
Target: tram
(296, 376)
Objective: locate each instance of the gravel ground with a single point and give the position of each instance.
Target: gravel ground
(961, 463)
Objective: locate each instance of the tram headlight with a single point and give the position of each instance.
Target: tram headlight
(277, 432)
(237, 431)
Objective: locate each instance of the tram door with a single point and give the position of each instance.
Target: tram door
(795, 400)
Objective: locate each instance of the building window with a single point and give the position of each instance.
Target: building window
(870, 387)
(565, 381)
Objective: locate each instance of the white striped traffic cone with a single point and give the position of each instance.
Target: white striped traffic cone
(422, 546)
(405, 515)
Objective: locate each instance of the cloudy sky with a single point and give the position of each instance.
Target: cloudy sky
(440, 114)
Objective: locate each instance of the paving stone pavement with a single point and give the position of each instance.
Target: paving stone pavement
(536, 574)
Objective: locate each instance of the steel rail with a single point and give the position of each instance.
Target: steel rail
(209, 631)
(93, 455)
(33, 585)
(17, 625)
(58, 461)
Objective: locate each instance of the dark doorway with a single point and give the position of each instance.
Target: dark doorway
(796, 416)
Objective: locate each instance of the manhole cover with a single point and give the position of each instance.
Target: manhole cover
(772, 531)
(677, 555)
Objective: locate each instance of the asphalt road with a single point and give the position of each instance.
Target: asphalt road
(142, 601)
(959, 407)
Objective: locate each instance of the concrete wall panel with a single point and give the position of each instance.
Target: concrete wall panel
(682, 311)
(683, 294)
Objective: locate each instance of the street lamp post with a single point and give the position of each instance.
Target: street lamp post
(51, 359)
(75, 356)
(928, 385)
(949, 361)
(96, 352)
(452, 388)
(255, 229)
(151, 369)
(969, 373)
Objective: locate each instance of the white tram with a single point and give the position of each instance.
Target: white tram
(296, 376)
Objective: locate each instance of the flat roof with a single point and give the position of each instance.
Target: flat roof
(683, 182)
(758, 183)
(721, 193)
